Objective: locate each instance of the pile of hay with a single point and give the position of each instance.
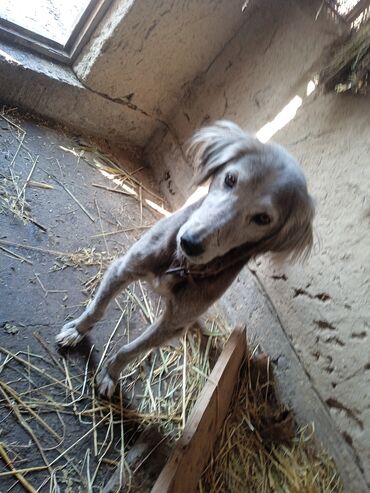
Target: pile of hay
(260, 449)
(75, 439)
(348, 67)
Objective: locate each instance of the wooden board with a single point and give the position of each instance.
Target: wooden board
(192, 452)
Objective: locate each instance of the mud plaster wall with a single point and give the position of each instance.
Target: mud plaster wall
(147, 53)
(323, 305)
(140, 61)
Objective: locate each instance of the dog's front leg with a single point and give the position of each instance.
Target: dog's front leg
(155, 335)
(119, 274)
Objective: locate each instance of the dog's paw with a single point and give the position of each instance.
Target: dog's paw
(106, 384)
(69, 335)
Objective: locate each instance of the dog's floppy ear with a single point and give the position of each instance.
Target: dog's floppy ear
(294, 240)
(212, 147)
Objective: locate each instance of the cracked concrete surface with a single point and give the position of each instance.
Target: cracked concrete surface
(54, 92)
(153, 50)
(129, 78)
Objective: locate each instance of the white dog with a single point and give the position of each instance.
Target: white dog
(257, 203)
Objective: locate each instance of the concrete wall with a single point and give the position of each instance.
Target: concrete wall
(130, 76)
(149, 52)
(54, 92)
(323, 306)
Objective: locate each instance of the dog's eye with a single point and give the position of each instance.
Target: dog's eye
(261, 219)
(230, 180)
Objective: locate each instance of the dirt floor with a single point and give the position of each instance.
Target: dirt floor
(45, 290)
(55, 207)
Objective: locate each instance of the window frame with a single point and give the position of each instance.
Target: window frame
(49, 48)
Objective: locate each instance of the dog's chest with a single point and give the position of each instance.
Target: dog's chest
(164, 284)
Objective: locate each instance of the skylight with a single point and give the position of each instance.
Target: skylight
(55, 28)
(52, 19)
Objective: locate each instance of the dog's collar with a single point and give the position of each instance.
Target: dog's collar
(238, 255)
(181, 271)
(188, 272)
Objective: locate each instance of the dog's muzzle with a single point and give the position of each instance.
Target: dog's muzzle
(191, 245)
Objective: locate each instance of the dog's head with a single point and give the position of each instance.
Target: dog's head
(257, 196)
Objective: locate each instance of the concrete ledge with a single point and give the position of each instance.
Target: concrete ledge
(54, 92)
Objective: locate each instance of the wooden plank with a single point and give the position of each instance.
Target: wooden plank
(192, 452)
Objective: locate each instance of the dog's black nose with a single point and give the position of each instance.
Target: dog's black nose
(191, 245)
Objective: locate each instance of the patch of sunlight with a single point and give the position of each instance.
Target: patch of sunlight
(71, 150)
(130, 191)
(158, 208)
(343, 7)
(8, 58)
(280, 121)
(119, 182)
(199, 193)
(311, 86)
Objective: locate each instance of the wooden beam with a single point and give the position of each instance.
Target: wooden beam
(192, 452)
(357, 10)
